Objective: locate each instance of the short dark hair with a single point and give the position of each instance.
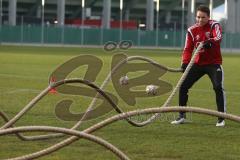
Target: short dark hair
(204, 9)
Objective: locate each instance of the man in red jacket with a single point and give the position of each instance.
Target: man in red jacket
(208, 61)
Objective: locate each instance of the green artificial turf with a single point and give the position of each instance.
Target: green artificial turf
(24, 72)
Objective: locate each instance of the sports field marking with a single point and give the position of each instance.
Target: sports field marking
(22, 90)
(210, 90)
(23, 77)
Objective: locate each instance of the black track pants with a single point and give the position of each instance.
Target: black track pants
(216, 75)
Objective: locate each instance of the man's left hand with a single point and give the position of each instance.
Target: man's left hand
(207, 44)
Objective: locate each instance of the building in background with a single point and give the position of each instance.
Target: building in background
(134, 12)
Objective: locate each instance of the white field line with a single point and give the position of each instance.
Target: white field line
(211, 90)
(30, 90)
(46, 78)
(22, 91)
(18, 90)
(23, 77)
(224, 50)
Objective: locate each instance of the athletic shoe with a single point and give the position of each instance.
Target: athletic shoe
(220, 123)
(179, 120)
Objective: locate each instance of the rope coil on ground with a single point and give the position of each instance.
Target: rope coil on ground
(112, 120)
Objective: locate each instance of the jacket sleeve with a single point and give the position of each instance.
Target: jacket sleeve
(216, 33)
(188, 48)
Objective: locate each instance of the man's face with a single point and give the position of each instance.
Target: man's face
(202, 18)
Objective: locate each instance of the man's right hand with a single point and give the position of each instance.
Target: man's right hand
(184, 66)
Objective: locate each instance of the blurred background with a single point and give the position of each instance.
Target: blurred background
(147, 23)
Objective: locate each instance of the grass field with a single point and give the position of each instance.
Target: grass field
(24, 72)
